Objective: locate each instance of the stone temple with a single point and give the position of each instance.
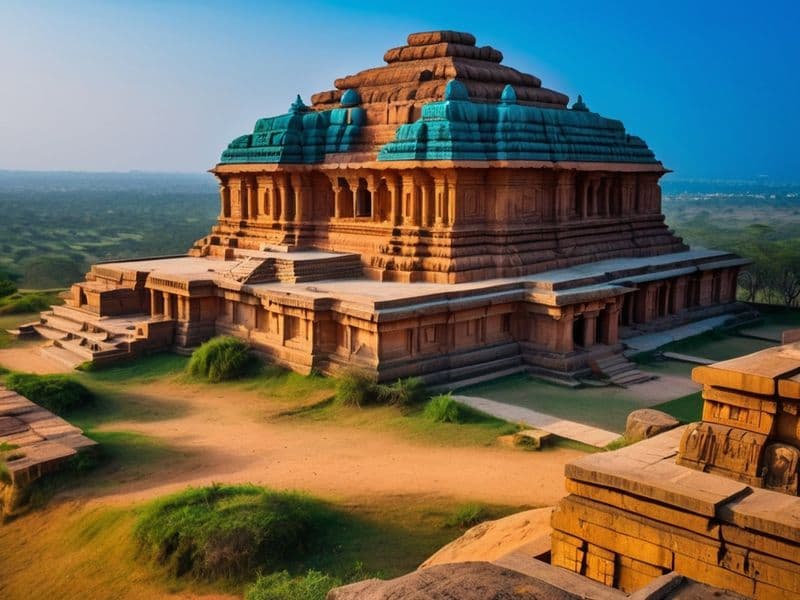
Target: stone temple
(442, 215)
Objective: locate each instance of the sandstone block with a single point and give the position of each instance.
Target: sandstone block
(647, 422)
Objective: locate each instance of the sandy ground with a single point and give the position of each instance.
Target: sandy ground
(231, 437)
(236, 436)
(28, 358)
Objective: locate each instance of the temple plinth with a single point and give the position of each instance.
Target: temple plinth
(442, 215)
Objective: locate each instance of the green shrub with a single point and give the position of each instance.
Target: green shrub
(443, 409)
(467, 516)
(7, 287)
(60, 394)
(403, 392)
(26, 303)
(229, 530)
(220, 359)
(356, 387)
(5, 476)
(282, 586)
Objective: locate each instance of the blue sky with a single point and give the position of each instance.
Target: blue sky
(712, 86)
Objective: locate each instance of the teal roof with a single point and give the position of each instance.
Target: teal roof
(458, 129)
(299, 136)
(453, 129)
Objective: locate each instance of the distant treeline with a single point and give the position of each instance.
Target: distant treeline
(759, 223)
(56, 224)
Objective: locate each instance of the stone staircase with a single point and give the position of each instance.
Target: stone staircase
(619, 370)
(75, 336)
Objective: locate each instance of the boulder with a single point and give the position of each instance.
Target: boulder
(528, 530)
(648, 422)
(461, 581)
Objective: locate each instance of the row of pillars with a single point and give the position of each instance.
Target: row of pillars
(168, 305)
(419, 198)
(284, 198)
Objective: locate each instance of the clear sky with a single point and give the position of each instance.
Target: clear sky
(711, 85)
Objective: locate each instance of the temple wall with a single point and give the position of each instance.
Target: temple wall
(446, 225)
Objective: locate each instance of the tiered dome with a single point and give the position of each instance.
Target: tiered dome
(419, 71)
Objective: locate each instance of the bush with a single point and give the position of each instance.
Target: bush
(60, 394)
(467, 516)
(229, 530)
(220, 358)
(26, 303)
(443, 409)
(281, 586)
(356, 388)
(7, 287)
(403, 392)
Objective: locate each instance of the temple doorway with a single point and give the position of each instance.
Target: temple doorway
(578, 331)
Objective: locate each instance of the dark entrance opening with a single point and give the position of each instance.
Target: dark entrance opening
(578, 331)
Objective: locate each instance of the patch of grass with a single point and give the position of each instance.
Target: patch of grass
(225, 531)
(140, 370)
(403, 392)
(474, 429)
(6, 447)
(618, 443)
(221, 359)
(442, 409)
(687, 409)
(356, 387)
(468, 515)
(28, 302)
(13, 321)
(314, 585)
(60, 394)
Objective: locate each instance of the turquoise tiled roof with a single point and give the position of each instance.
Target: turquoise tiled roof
(300, 136)
(458, 129)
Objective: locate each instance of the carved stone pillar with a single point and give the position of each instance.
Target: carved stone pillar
(302, 197)
(564, 192)
(706, 285)
(265, 186)
(440, 198)
(426, 218)
(394, 185)
(609, 324)
(589, 329)
(235, 187)
(584, 199)
(452, 206)
(409, 193)
(224, 201)
(285, 191)
(678, 294)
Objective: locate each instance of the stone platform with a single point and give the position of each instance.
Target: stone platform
(39, 441)
(314, 310)
(634, 514)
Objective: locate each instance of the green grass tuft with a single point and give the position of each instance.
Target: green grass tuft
(356, 387)
(314, 585)
(220, 359)
(443, 409)
(60, 394)
(467, 516)
(226, 531)
(403, 392)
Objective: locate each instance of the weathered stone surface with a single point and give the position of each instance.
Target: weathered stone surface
(462, 581)
(528, 531)
(751, 420)
(648, 422)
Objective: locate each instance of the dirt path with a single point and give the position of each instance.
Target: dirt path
(236, 436)
(28, 358)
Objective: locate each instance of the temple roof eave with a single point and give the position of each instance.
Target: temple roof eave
(334, 163)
